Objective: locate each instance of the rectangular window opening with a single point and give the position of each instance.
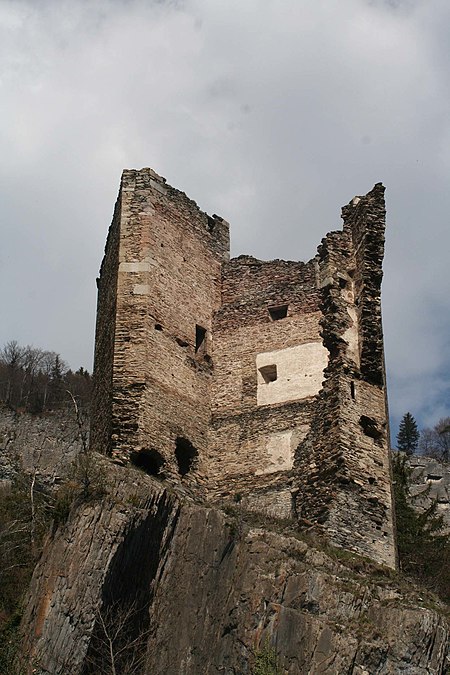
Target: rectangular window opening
(352, 390)
(200, 335)
(269, 373)
(279, 312)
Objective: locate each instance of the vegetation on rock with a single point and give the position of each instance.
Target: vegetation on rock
(423, 548)
(25, 516)
(28, 508)
(266, 662)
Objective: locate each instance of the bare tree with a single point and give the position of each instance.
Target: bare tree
(12, 354)
(11, 357)
(435, 442)
(32, 363)
(117, 648)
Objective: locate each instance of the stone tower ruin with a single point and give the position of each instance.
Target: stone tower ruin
(241, 379)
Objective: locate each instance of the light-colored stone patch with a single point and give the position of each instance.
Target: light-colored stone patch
(280, 455)
(141, 289)
(279, 450)
(351, 336)
(299, 373)
(144, 266)
(157, 185)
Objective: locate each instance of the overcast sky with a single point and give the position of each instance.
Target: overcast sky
(271, 113)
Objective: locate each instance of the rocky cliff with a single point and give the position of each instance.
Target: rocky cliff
(430, 481)
(171, 587)
(46, 444)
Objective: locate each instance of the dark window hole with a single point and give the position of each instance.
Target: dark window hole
(181, 342)
(150, 461)
(370, 427)
(435, 477)
(352, 390)
(158, 326)
(277, 313)
(200, 335)
(185, 454)
(342, 282)
(372, 480)
(269, 373)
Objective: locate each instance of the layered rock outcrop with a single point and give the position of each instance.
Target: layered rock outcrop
(196, 590)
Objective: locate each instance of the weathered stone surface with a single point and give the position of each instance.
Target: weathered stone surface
(212, 590)
(159, 280)
(343, 464)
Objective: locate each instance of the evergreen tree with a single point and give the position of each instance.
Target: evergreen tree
(408, 434)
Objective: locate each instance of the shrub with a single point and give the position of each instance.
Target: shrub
(266, 662)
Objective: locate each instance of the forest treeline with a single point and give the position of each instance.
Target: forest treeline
(36, 380)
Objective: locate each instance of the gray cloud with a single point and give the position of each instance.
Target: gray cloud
(271, 114)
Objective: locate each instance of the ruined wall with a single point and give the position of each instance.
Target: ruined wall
(244, 377)
(430, 481)
(102, 393)
(343, 465)
(268, 364)
(169, 262)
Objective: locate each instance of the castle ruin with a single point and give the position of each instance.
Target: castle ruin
(242, 379)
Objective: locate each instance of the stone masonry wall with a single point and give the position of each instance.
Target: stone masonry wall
(257, 424)
(430, 481)
(343, 465)
(102, 394)
(167, 248)
(267, 376)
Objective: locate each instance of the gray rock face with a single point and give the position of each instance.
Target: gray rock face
(430, 480)
(46, 443)
(207, 591)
